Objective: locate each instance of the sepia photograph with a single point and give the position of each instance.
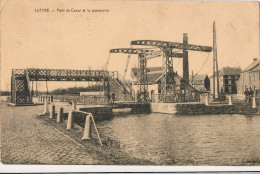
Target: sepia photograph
(130, 83)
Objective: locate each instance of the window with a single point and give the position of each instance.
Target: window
(226, 89)
(254, 76)
(226, 81)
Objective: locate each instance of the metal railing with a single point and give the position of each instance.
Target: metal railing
(85, 100)
(174, 98)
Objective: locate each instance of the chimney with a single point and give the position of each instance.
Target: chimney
(254, 59)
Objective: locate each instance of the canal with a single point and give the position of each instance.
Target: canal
(178, 140)
(188, 140)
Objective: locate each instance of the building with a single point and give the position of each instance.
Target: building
(250, 77)
(197, 81)
(228, 77)
(154, 76)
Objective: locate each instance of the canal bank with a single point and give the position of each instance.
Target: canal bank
(27, 138)
(202, 109)
(155, 138)
(111, 152)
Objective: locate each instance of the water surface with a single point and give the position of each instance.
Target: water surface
(188, 140)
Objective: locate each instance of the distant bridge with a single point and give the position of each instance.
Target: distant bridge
(21, 78)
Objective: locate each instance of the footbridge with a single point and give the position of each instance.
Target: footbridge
(21, 91)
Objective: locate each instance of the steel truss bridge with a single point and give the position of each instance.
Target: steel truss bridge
(21, 78)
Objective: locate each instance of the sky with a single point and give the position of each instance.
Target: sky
(82, 40)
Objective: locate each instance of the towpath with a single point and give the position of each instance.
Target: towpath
(28, 140)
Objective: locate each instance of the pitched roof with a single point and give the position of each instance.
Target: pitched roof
(230, 71)
(199, 77)
(153, 74)
(149, 70)
(152, 78)
(254, 66)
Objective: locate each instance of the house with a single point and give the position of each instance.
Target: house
(197, 81)
(154, 76)
(250, 77)
(228, 76)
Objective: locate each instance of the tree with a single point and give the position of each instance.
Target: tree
(207, 83)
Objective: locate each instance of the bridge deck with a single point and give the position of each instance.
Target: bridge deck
(64, 74)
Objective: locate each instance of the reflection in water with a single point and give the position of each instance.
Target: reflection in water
(188, 140)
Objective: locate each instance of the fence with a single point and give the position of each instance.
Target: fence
(85, 100)
(175, 98)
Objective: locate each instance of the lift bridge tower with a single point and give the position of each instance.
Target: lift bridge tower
(143, 55)
(168, 83)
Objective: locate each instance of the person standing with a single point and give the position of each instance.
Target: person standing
(246, 93)
(251, 94)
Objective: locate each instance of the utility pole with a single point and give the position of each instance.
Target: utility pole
(185, 59)
(215, 62)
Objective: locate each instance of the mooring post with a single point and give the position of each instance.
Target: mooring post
(70, 123)
(74, 105)
(46, 107)
(207, 99)
(60, 115)
(254, 103)
(52, 112)
(229, 100)
(87, 129)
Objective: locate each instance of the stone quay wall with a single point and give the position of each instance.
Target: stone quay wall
(202, 109)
